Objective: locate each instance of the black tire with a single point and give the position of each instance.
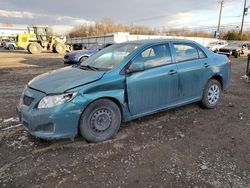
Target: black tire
(11, 47)
(100, 121)
(216, 51)
(211, 94)
(235, 54)
(54, 48)
(60, 48)
(34, 48)
(83, 59)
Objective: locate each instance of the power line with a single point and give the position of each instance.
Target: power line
(183, 11)
(209, 28)
(161, 16)
(202, 20)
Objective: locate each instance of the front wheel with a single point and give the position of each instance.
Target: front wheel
(34, 48)
(100, 121)
(59, 48)
(211, 94)
(11, 47)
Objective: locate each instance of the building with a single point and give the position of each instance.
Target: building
(125, 37)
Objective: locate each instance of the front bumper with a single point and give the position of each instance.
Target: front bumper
(66, 61)
(225, 53)
(53, 123)
(69, 60)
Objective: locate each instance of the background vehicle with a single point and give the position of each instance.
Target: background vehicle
(79, 56)
(119, 83)
(215, 46)
(8, 34)
(235, 49)
(40, 41)
(10, 45)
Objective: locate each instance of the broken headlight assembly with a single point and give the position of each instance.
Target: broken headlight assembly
(54, 100)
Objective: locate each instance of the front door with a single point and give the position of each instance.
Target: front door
(157, 86)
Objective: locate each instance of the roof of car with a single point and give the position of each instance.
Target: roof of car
(150, 41)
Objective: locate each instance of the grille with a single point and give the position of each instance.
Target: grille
(27, 100)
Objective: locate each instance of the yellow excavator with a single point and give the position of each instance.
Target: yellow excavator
(37, 40)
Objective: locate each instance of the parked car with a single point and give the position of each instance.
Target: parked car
(215, 46)
(79, 56)
(11, 45)
(235, 49)
(120, 83)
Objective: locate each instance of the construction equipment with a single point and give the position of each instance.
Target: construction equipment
(38, 40)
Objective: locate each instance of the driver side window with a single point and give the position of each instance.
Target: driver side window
(154, 56)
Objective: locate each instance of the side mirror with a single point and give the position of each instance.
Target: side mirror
(136, 67)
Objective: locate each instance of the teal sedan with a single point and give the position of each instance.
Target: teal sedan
(120, 83)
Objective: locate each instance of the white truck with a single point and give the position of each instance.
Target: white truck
(10, 33)
(85, 42)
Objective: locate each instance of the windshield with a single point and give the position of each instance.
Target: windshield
(212, 44)
(109, 57)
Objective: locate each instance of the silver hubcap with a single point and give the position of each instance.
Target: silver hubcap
(213, 94)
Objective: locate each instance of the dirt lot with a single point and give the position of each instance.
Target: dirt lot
(184, 147)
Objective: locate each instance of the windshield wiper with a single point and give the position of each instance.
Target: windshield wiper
(88, 67)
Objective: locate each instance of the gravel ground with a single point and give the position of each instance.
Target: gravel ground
(184, 147)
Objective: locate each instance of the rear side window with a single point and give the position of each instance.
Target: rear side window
(155, 56)
(201, 53)
(187, 52)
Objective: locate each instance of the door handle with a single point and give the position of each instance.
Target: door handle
(206, 65)
(172, 72)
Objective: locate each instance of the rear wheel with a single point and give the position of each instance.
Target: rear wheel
(34, 48)
(11, 48)
(100, 121)
(60, 48)
(235, 54)
(211, 94)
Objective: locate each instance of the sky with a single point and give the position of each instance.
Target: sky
(63, 15)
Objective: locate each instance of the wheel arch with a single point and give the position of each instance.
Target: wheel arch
(113, 99)
(84, 55)
(218, 78)
(11, 46)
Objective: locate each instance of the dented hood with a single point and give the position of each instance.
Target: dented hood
(61, 80)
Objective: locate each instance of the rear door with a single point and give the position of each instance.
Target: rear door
(193, 70)
(157, 86)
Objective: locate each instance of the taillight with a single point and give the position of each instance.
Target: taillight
(230, 61)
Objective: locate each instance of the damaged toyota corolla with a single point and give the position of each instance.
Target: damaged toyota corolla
(122, 82)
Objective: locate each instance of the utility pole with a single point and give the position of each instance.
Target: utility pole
(221, 6)
(243, 17)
